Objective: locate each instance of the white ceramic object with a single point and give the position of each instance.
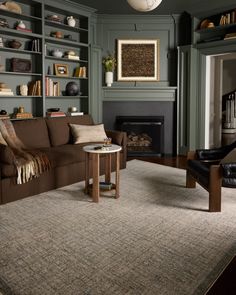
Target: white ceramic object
(71, 21)
(23, 90)
(57, 53)
(21, 24)
(109, 78)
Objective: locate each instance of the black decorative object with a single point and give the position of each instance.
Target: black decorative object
(72, 89)
(3, 112)
(53, 110)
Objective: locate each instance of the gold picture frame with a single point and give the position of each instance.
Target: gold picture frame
(138, 60)
(61, 69)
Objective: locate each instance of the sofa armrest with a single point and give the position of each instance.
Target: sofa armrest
(191, 155)
(118, 137)
(6, 154)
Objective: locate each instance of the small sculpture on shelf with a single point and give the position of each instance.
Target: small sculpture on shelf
(57, 34)
(72, 89)
(23, 90)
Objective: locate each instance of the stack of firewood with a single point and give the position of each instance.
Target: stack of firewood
(142, 139)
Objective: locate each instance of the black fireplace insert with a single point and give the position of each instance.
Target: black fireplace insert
(145, 134)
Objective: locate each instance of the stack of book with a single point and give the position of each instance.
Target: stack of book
(34, 88)
(52, 88)
(105, 185)
(80, 72)
(23, 29)
(5, 91)
(23, 116)
(69, 56)
(2, 117)
(55, 114)
(75, 113)
(35, 45)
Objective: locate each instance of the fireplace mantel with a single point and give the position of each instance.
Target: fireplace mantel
(167, 94)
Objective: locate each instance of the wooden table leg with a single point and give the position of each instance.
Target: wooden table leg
(96, 168)
(117, 195)
(108, 168)
(86, 173)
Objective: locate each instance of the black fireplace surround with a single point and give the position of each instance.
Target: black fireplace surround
(145, 134)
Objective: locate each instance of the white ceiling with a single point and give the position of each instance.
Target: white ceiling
(167, 7)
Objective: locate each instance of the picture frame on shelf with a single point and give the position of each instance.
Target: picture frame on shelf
(138, 60)
(61, 70)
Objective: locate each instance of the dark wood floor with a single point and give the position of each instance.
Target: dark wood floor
(178, 162)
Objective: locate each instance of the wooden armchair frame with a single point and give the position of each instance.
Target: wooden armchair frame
(215, 183)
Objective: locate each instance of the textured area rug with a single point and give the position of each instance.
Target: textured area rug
(157, 238)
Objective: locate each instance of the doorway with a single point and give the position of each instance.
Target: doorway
(220, 80)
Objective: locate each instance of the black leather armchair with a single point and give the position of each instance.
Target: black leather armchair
(208, 169)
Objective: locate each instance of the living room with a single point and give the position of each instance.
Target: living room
(147, 233)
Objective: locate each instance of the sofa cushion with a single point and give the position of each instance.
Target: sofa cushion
(59, 129)
(58, 156)
(84, 133)
(33, 133)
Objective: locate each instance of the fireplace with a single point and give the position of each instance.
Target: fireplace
(145, 134)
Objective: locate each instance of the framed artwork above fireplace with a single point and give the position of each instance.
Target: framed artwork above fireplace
(138, 60)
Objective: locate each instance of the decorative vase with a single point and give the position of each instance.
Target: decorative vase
(71, 21)
(109, 78)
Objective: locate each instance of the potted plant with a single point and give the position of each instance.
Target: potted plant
(109, 63)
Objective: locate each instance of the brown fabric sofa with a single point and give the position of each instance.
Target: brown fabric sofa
(53, 137)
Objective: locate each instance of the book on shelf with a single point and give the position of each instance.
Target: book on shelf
(80, 72)
(9, 93)
(5, 89)
(75, 113)
(2, 117)
(74, 57)
(24, 29)
(34, 88)
(35, 45)
(56, 114)
(22, 116)
(51, 88)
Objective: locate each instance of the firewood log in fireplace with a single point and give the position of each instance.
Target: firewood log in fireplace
(142, 139)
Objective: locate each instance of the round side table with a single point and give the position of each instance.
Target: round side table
(94, 151)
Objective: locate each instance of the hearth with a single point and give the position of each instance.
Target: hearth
(145, 134)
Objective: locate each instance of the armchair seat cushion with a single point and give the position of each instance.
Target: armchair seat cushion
(200, 170)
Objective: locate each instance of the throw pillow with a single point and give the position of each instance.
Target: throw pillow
(229, 158)
(88, 133)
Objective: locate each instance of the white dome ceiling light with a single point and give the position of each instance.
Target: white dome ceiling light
(144, 5)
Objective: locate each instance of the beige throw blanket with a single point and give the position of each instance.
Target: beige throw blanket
(29, 163)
